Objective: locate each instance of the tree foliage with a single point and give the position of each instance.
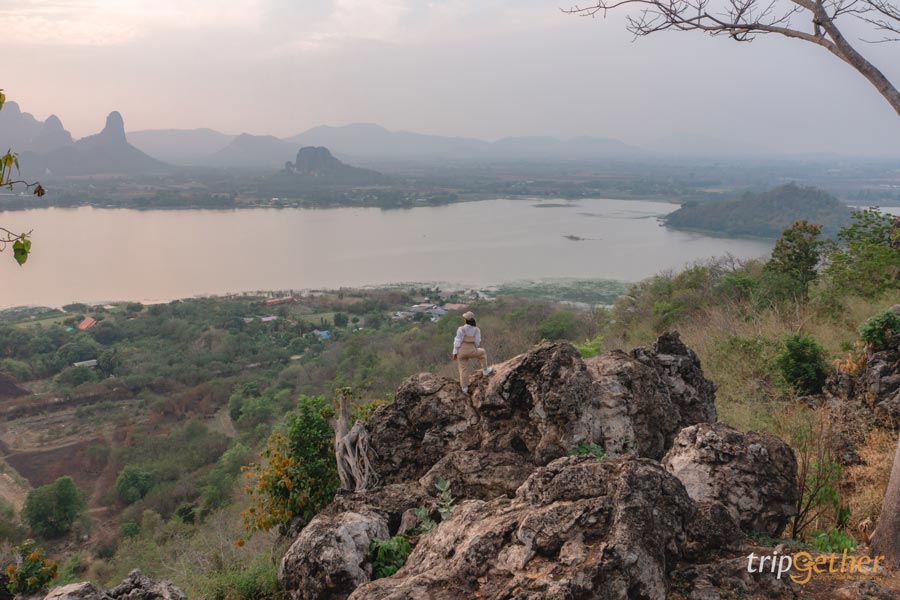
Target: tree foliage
(51, 510)
(797, 254)
(32, 571)
(865, 263)
(802, 364)
(880, 328)
(133, 484)
(297, 475)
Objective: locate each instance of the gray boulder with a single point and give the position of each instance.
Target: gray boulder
(330, 557)
(136, 586)
(540, 406)
(84, 590)
(753, 476)
(577, 528)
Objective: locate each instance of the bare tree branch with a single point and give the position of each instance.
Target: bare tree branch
(744, 20)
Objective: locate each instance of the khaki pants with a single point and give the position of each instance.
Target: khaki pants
(468, 351)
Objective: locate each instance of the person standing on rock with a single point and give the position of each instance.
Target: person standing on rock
(466, 346)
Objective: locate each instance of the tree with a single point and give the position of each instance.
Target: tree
(133, 484)
(744, 20)
(51, 510)
(797, 254)
(802, 364)
(21, 242)
(297, 475)
(866, 263)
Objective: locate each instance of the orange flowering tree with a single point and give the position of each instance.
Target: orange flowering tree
(297, 473)
(32, 571)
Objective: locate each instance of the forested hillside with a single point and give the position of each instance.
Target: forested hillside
(763, 214)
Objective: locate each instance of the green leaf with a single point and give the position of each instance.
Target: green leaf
(21, 249)
(2, 99)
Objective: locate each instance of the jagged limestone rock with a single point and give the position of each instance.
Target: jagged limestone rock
(754, 476)
(136, 586)
(578, 527)
(541, 405)
(330, 558)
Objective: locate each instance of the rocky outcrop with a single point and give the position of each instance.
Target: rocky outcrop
(331, 556)
(317, 163)
(879, 385)
(576, 528)
(728, 578)
(753, 476)
(680, 370)
(540, 406)
(474, 474)
(532, 521)
(875, 388)
(136, 586)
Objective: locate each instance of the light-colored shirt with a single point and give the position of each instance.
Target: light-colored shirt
(466, 331)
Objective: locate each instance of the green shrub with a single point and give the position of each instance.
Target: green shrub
(590, 348)
(878, 329)
(390, 556)
(802, 364)
(559, 326)
(130, 529)
(73, 569)
(446, 501)
(133, 484)
(298, 474)
(51, 510)
(9, 530)
(255, 580)
(33, 572)
(832, 540)
(585, 449)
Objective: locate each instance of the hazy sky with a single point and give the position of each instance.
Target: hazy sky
(482, 68)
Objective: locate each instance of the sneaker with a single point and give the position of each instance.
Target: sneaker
(465, 390)
(488, 371)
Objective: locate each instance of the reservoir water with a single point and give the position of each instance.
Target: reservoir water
(91, 255)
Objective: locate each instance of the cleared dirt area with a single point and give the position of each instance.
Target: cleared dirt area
(13, 488)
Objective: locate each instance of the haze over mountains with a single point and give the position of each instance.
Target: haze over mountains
(365, 141)
(50, 149)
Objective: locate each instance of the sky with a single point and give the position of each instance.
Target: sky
(475, 68)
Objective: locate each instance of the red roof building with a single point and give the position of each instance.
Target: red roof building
(277, 301)
(86, 324)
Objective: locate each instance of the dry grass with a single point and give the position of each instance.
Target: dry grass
(865, 484)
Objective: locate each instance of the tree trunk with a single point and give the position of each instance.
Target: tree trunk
(351, 450)
(846, 52)
(886, 539)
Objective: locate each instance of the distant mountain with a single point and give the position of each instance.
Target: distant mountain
(51, 136)
(21, 132)
(104, 153)
(373, 141)
(315, 173)
(253, 151)
(365, 140)
(764, 214)
(317, 163)
(180, 146)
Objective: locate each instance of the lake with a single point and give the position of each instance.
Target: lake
(92, 255)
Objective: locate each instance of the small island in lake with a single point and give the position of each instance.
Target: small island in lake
(764, 214)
